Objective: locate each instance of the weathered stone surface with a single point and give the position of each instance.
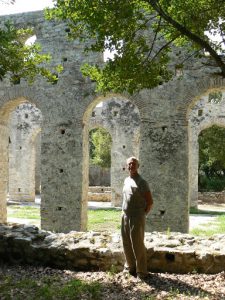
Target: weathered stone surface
(100, 251)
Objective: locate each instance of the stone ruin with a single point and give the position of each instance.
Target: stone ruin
(169, 122)
(102, 251)
(120, 118)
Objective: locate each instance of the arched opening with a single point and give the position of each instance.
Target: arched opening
(120, 117)
(211, 169)
(100, 144)
(206, 131)
(19, 146)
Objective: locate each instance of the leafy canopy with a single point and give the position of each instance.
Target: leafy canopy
(20, 60)
(211, 175)
(212, 151)
(141, 33)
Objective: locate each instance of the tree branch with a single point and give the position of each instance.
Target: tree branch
(192, 36)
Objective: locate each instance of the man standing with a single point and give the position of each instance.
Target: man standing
(137, 202)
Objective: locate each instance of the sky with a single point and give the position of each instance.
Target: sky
(24, 5)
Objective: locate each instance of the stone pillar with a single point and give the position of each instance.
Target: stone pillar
(193, 169)
(22, 171)
(62, 208)
(123, 147)
(24, 125)
(38, 164)
(4, 136)
(164, 164)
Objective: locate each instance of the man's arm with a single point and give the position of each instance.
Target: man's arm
(149, 201)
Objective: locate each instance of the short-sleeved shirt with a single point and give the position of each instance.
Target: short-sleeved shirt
(134, 188)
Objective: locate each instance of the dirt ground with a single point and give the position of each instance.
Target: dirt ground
(120, 287)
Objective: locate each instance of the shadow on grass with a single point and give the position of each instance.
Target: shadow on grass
(196, 211)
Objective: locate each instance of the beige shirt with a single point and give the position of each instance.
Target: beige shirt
(134, 202)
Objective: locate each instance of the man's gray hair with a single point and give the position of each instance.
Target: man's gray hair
(133, 158)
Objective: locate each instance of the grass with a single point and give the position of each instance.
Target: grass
(104, 220)
(23, 212)
(48, 288)
(98, 220)
(216, 227)
(109, 219)
(196, 211)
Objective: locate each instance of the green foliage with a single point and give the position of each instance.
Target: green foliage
(141, 34)
(215, 97)
(20, 60)
(100, 147)
(212, 159)
(214, 183)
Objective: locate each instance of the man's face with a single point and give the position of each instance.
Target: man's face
(132, 166)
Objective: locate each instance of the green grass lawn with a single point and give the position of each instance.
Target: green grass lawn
(109, 219)
(215, 227)
(104, 220)
(98, 220)
(23, 212)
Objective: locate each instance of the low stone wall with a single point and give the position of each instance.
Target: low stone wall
(211, 197)
(99, 193)
(175, 252)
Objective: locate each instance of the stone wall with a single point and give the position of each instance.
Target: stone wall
(211, 197)
(174, 252)
(66, 109)
(99, 193)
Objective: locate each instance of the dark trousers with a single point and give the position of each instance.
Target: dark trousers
(132, 231)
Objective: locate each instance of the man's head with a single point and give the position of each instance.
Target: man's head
(132, 165)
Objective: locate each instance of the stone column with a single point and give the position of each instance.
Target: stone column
(164, 164)
(22, 171)
(4, 135)
(193, 169)
(123, 147)
(62, 208)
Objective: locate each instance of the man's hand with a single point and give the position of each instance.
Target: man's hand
(149, 201)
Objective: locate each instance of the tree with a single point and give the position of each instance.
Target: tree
(212, 159)
(142, 33)
(20, 60)
(100, 147)
(212, 151)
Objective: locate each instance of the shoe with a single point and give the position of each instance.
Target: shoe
(130, 272)
(142, 276)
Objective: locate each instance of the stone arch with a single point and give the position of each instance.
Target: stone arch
(123, 146)
(201, 115)
(5, 112)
